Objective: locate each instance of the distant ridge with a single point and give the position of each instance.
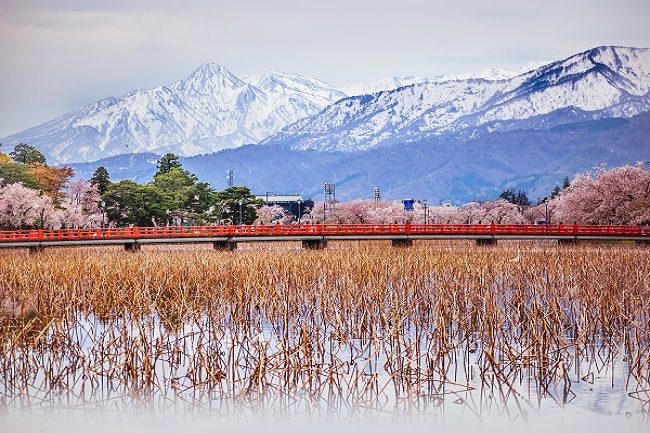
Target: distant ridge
(209, 110)
(600, 83)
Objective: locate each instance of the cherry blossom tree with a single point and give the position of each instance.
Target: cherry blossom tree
(497, 212)
(22, 207)
(535, 213)
(388, 212)
(617, 196)
(273, 215)
(81, 206)
(359, 212)
(441, 214)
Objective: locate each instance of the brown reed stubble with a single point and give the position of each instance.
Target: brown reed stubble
(349, 325)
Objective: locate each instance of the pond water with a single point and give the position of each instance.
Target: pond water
(152, 375)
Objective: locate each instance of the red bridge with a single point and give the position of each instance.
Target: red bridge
(315, 236)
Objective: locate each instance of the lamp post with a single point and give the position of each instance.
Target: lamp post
(241, 212)
(299, 205)
(426, 210)
(103, 203)
(546, 214)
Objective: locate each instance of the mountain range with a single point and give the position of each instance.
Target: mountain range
(437, 168)
(456, 137)
(601, 83)
(209, 110)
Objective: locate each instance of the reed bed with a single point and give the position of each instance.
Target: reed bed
(360, 329)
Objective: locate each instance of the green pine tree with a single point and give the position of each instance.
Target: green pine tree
(101, 180)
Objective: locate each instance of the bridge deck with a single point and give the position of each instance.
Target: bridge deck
(312, 232)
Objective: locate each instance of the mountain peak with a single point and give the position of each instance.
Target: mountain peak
(209, 78)
(210, 68)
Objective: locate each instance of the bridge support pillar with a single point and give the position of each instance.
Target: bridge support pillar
(224, 245)
(36, 249)
(402, 243)
(314, 244)
(485, 241)
(132, 247)
(567, 241)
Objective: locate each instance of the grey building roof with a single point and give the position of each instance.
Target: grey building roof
(280, 198)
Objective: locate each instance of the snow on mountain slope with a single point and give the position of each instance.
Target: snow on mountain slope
(602, 82)
(492, 74)
(212, 109)
(363, 122)
(209, 110)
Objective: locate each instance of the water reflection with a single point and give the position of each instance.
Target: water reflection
(218, 367)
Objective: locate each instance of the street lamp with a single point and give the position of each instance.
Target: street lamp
(546, 214)
(241, 212)
(299, 205)
(103, 203)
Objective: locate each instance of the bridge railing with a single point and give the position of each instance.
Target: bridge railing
(320, 230)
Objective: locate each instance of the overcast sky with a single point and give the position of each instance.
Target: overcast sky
(58, 55)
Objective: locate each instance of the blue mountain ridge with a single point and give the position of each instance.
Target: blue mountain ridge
(450, 168)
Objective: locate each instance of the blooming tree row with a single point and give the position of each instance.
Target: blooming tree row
(35, 195)
(616, 196)
(387, 212)
(619, 196)
(22, 207)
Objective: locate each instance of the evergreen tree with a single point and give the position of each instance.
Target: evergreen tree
(25, 154)
(186, 197)
(128, 202)
(566, 183)
(556, 191)
(101, 180)
(508, 195)
(12, 172)
(166, 163)
(521, 199)
(229, 200)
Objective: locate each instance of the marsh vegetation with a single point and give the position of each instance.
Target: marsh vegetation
(357, 330)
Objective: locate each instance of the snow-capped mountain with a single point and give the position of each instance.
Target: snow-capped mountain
(492, 74)
(600, 83)
(209, 110)
(457, 169)
(212, 109)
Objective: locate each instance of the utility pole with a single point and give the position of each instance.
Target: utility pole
(376, 195)
(230, 176)
(241, 212)
(330, 197)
